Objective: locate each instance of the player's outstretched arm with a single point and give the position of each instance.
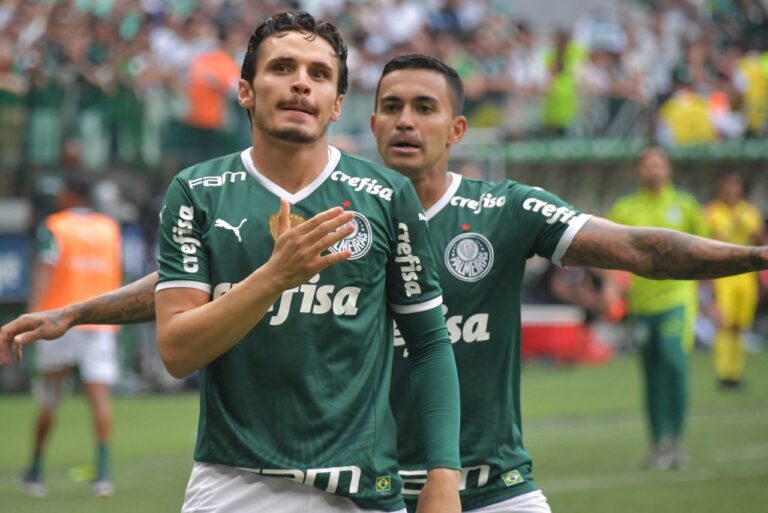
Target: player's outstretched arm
(192, 330)
(659, 253)
(132, 303)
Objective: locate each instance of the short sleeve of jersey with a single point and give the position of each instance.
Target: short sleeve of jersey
(550, 223)
(47, 247)
(183, 261)
(412, 283)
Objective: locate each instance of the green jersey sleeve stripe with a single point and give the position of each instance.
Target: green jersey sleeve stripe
(565, 241)
(420, 307)
(184, 284)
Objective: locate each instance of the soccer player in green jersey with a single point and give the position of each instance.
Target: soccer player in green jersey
(282, 268)
(483, 234)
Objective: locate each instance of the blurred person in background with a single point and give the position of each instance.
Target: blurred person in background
(731, 218)
(663, 312)
(13, 115)
(211, 84)
(78, 257)
(561, 101)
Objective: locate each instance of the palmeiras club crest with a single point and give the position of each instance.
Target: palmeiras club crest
(469, 256)
(359, 241)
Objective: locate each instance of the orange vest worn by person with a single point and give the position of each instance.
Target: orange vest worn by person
(88, 259)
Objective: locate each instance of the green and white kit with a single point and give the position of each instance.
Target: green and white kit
(482, 234)
(305, 394)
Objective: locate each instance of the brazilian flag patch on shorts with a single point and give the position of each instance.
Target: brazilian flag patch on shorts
(383, 484)
(512, 478)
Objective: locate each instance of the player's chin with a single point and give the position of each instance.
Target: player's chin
(296, 134)
(407, 166)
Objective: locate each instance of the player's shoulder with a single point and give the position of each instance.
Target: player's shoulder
(355, 166)
(216, 167)
(521, 195)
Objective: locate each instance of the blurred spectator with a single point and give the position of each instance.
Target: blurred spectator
(528, 78)
(685, 119)
(211, 85)
(118, 73)
(732, 219)
(561, 102)
(13, 115)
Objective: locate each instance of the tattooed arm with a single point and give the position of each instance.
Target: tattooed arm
(659, 253)
(130, 304)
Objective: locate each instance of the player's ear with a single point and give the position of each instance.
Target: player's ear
(373, 122)
(245, 94)
(458, 129)
(336, 110)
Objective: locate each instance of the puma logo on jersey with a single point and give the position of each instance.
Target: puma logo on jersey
(476, 206)
(221, 223)
(422, 217)
(563, 214)
(371, 186)
(218, 180)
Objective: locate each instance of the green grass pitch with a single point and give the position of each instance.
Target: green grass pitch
(583, 426)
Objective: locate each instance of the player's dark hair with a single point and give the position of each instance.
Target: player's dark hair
(296, 21)
(78, 186)
(419, 61)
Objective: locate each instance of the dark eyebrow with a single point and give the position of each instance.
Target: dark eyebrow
(323, 66)
(287, 59)
(390, 98)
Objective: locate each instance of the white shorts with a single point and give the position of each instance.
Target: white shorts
(223, 489)
(533, 502)
(93, 352)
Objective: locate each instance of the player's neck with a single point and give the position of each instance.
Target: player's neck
(431, 186)
(292, 166)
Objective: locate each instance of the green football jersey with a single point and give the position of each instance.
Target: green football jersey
(305, 394)
(482, 234)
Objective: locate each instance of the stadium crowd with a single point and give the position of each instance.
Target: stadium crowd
(151, 83)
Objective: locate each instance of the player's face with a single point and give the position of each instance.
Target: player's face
(654, 170)
(293, 96)
(414, 124)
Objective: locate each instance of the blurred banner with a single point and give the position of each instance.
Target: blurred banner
(14, 268)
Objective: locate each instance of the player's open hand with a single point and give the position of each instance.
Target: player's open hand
(440, 493)
(30, 327)
(298, 251)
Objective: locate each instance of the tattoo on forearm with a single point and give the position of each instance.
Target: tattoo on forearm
(666, 254)
(118, 307)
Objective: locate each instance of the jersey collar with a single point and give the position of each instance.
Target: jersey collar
(333, 159)
(446, 197)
